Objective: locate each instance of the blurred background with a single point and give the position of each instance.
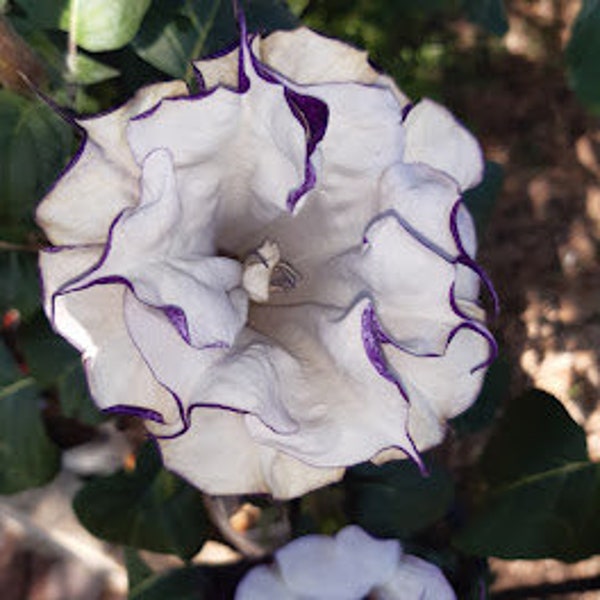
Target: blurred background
(523, 75)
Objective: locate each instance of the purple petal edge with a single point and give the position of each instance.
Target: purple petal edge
(465, 259)
(313, 115)
(136, 411)
(372, 344)
(177, 317)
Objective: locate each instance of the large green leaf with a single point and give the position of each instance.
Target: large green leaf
(46, 14)
(582, 55)
(55, 363)
(47, 355)
(19, 282)
(395, 499)
(27, 457)
(175, 33)
(34, 146)
(102, 25)
(88, 71)
(543, 494)
(148, 508)
(191, 583)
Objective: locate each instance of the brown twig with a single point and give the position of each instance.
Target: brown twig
(18, 63)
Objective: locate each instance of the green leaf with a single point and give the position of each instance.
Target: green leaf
(55, 363)
(34, 146)
(191, 583)
(582, 55)
(102, 25)
(138, 570)
(27, 456)
(74, 397)
(19, 282)
(88, 71)
(481, 200)
(543, 495)
(536, 434)
(174, 34)
(46, 14)
(9, 371)
(149, 508)
(46, 354)
(394, 499)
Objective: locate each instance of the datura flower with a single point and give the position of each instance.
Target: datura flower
(351, 566)
(276, 272)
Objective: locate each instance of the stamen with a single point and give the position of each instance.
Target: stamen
(264, 272)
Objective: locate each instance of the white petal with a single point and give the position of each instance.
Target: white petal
(442, 387)
(218, 455)
(239, 154)
(360, 143)
(102, 178)
(163, 257)
(346, 412)
(436, 138)
(416, 578)
(241, 379)
(410, 286)
(92, 320)
(263, 582)
(345, 567)
(222, 70)
(306, 57)
(423, 199)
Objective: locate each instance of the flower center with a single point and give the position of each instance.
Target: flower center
(264, 272)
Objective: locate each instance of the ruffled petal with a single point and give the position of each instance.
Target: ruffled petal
(217, 454)
(360, 143)
(436, 138)
(210, 376)
(340, 568)
(165, 260)
(333, 381)
(306, 57)
(416, 578)
(441, 387)
(242, 156)
(92, 320)
(263, 582)
(219, 71)
(101, 180)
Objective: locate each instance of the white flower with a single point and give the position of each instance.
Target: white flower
(276, 273)
(351, 566)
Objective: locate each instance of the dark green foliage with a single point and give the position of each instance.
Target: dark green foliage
(27, 456)
(542, 493)
(395, 499)
(176, 33)
(19, 282)
(34, 146)
(148, 508)
(56, 365)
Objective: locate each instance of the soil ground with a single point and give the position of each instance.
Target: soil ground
(541, 245)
